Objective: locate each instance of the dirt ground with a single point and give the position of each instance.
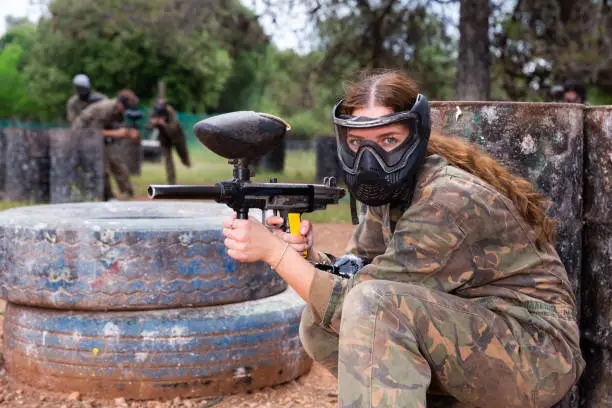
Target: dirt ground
(315, 389)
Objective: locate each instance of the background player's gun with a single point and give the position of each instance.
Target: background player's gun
(132, 117)
(241, 137)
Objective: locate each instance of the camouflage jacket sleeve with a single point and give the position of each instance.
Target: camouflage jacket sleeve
(100, 115)
(425, 237)
(71, 110)
(174, 125)
(368, 238)
(366, 241)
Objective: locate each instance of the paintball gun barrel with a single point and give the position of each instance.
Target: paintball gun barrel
(285, 198)
(241, 137)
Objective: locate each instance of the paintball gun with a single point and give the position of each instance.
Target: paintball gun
(132, 117)
(93, 98)
(241, 137)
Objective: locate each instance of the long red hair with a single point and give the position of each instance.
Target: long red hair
(398, 91)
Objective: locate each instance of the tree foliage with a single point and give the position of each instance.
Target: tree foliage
(193, 46)
(214, 56)
(543, 42)
(354, 35)
(15, 99)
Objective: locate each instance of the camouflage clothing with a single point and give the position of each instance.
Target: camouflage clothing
(458, 301)
(76, 105)
(171, 135)
(104, 115)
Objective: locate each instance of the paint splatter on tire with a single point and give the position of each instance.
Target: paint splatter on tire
(205, 351)
(124, 256)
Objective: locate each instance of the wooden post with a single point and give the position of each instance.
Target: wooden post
(132, 155)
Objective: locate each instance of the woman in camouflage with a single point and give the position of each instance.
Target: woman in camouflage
(461, 297)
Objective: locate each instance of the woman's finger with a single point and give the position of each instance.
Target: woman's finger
(293, 239)
(305, 227)
(228, 222)
(275, 221)
(241, 224)
(237, 255)
(233, 244)
(299, 247)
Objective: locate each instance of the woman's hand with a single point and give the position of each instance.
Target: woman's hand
(250, 241)
(300, 243)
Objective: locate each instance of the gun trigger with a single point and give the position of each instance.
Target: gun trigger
(295, 220)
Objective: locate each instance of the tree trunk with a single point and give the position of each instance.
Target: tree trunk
(473, 64)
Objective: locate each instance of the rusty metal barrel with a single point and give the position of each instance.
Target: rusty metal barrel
(327, 162)
(596, 320)
(77, 165)
(26, 176)
(542, 142)
(132, 155)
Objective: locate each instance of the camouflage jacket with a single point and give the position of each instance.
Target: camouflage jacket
(76, 105)
(171, 135)
(171, 131)
(100, 115)
(463, 237)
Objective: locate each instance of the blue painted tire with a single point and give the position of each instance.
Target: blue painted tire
(205, 351)
(124, 256)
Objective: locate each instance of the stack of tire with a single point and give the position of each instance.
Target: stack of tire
(139, 300)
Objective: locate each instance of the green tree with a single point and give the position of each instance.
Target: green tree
(15, 100)
(354, 35)
(135, 43)
(543, 42)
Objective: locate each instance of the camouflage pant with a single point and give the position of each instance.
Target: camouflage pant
(402, 345)
(114, 164)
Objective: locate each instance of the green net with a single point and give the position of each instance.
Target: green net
(10, 123)
(187, 120)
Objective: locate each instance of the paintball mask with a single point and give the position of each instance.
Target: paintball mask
(130, 106)
(372, 174)
(82, 85)
(160, 110)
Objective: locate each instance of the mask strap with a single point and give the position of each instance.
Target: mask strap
(354, 217)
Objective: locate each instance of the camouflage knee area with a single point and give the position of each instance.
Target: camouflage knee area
(411, 336)
(320, 344)
(376, 370)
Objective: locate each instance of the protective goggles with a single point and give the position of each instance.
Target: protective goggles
(415, 122)
(160, 110)
(82, 90)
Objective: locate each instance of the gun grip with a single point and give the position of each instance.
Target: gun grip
(294, 220)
